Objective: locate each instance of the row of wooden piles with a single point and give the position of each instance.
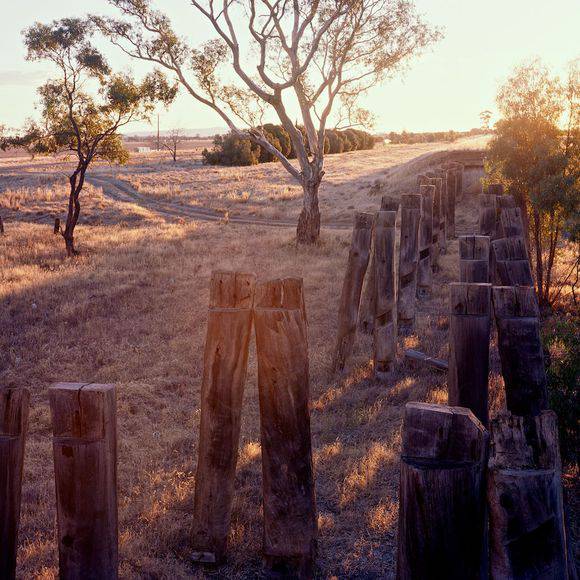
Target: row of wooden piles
(481, 498)
(85, 442)
(379, 292)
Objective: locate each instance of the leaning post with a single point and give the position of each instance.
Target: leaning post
(227, 343)
(356, 268)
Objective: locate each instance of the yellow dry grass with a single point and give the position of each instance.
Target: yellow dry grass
(132, 311)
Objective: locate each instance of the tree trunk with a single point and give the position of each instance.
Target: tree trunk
(308, 230)
(77, 180)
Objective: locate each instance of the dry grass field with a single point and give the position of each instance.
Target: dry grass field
(132, 310)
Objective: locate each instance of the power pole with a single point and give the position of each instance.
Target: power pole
(158, 143)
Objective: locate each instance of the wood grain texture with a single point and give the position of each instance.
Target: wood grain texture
(442, 494)
(424, 268)
(474, 259)
(520, 348)
(470, 324)
(487, 215)
(385, 331)
(527, 531)
(511, 222)
(451, 201)
(85, 468)
(290, 519)
(408, 258)
(356, 268)
(435, 241)
(224, 375)
(14, 405)
(511, 266)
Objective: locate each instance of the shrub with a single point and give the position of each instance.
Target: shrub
(231, 150)
(561, 339)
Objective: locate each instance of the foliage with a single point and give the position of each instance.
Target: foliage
(85, 105)
(561, 337)
(535, 152)
(232, 149)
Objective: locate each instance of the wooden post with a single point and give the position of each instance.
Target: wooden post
(511, 266)
(436, 241)
(224, 375)
(442, 185)
(487, 215)
(56, 229)
(527, 531)
(520, 349)
(451, 200)
(424, 270)
(408, 257)
(385, 333)
(368, 304)
(442, 494)
(474, 259)
(511, 222)
(460, 171)
(290, 520)
(470, 323)
(84, 425)
(13, 428)
(358, 260)
(1, 226)
(504, 201)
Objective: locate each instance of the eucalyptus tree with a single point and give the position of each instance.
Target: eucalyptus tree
(315, 58)
(84, 105)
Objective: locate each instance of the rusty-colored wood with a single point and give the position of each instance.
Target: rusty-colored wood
(84, 426)
(470, 323)
(14, 405)
(408, 257)
(226, 351)
(385, 332)
(520, 348)
(511, 265)
(290, 520)
(527, 531)
(356, 268)
(442, 494)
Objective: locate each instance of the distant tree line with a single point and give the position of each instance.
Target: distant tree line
(408, 138)
(231, 149)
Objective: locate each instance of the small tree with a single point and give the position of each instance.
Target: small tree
(171, 143)
(485, 117)
(318, 57)
(536, 153)
(73, 119)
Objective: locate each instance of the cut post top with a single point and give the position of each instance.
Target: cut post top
(515, 302)
(386, 219)
(388, 204)
(81, 410)
(495, 189)
(470, 298)
(474, 247)
(286, 293)
(442, 434)
(411, 201)
(363, 220)
(232, 289)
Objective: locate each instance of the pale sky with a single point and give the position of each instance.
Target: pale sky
(444, 89)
